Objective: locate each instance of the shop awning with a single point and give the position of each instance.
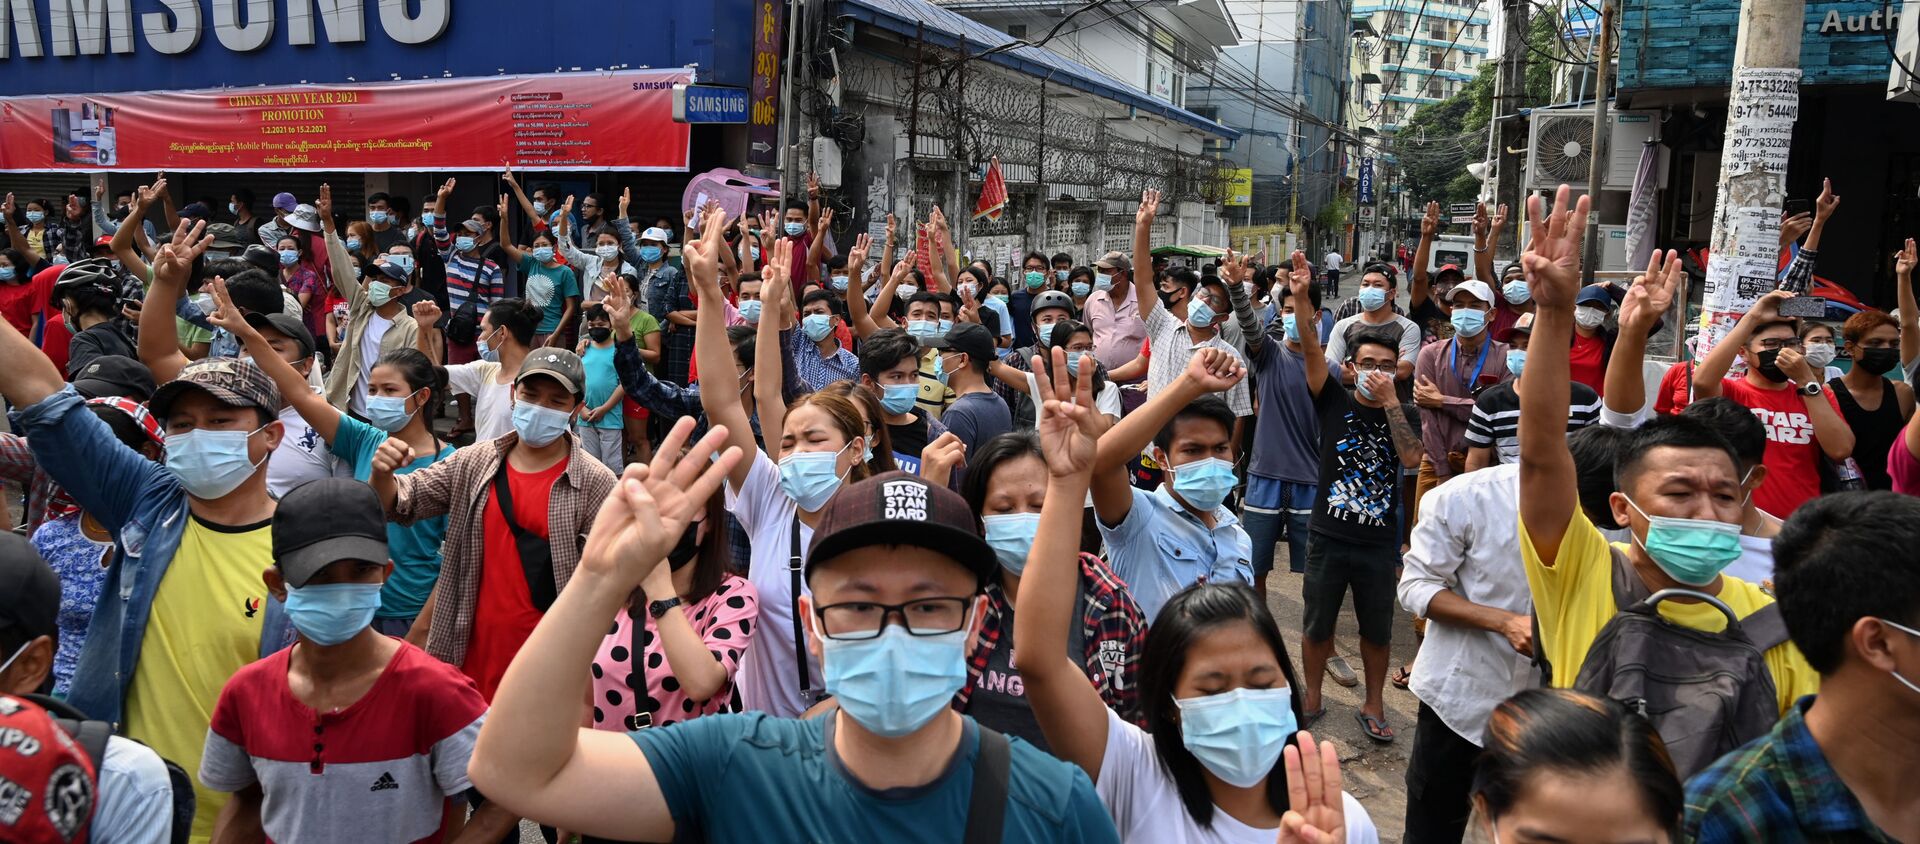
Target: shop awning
(950, 29)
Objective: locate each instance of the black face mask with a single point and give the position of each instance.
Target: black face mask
(599, 335)
(1768, 369)
(684, 551)
(1166, 297)
(1878, 361)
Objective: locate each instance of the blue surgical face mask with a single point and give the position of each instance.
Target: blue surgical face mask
(904, 292)
(378, 218)
(1060, 275)
(756, 253)
(794, 229)
(1045, 333)
(233, 208)
(426, 218)
(896, 682)
(388, 413)
(1200, 314)
(543, 254)
(898, 398)
(1204, 483)
(606, 251)
(538, 425)
(1360, 385)
(1516, 291)
(1372, 298)
(1238, 735)
(946, 325)
(539, 207)
(839, 283)
(8, 273)
(1073, 362)
(211, 464)
(1291, 326)
(403, 261)
(1035, 279)
(997, 298)
(36, 216)
(1692, 551)
(379, 293)
(330, 613)
(1081, 289)
(463, 243)
(289, 257)
(1468, 322)
(811, 477)
(1103, 281)
(750, 311)
(486, 350)
(1011, 536)
(1516, 361)
(651, 253)
(921, 329)
(817, 326)
(940, 372)
(353, 244)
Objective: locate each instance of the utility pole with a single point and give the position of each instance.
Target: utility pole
(1511, 85)
(1253, 117)
(1761, 112)
(1602, 131)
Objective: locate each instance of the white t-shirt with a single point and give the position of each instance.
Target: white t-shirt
(769, 678)
(1333, 261)
(1755, 563)
(377, 327)
(1140, 796)
(492, 400)
(302, 455)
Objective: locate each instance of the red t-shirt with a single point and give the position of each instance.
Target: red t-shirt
(1589, 362)
(797, 265)
(20, 302)
(1793, 454)
(503, 615)
(57, 341)
(1673, 395)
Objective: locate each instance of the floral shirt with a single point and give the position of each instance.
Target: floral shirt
(81, 563)
(626, 683)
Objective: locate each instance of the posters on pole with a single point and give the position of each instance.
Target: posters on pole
(621, 120)
(1745, 262)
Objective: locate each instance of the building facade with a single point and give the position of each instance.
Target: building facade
(1251, 88)
(1420, 51)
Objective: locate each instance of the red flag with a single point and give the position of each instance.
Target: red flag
(993, 193)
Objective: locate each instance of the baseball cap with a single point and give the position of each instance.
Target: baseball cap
(895, 508)
(1524, 323)
(1594, 294)
(236, 382)
(1446, 268)
(305, 218)
(31, 591)
(136, 411)
(473, 225)
(970, 337)
(395, 272)
(195, 210)
(355, 528)
(287, 324)
(559, 364)
(1478, 288)
(284, 202)
(104, 241)
(263, 258)
(50, 779)
(1115, 261)
(657, 235)
(225, 236)
(114, 375)
(1051, 299)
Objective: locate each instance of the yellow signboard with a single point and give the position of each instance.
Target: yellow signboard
(1240, 187)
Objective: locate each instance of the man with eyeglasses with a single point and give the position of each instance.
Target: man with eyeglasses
(1802, 417)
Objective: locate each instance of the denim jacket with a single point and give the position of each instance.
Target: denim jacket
(146, 509)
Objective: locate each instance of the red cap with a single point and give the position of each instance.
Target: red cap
(103, 240)
(47, 792)
(1454, 267)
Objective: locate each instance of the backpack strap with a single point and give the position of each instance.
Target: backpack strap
(91, 735)
(535, 552)
(987, 807)
(1766, 628)
(1628, 589)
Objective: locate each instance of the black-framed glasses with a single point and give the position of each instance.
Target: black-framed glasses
(852, 620)
(1776, 343)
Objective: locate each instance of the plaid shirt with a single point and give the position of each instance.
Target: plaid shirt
(459, 487)
(667, 292)
(45, 499)
(1112, 628)
(1778, 787)
(815, 371)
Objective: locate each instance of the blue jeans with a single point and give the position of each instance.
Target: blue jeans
(1275, 508)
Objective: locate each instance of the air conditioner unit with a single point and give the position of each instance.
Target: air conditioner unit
(1613, 249)
(1560, 147)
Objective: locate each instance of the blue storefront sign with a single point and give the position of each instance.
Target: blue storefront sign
(1689, 43)
(709, 104)
(105, 46)
(1366, 181)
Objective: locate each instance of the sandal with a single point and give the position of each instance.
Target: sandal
(1307, 718)
(1402, 676)
(1376, 728)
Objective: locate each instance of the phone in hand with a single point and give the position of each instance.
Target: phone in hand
(1796, 207)
(1804, 306)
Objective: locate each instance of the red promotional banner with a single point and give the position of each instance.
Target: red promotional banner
(621, 120)
(993, 194)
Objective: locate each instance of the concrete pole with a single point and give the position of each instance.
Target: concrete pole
(1762, 109)
(1511, 95)
(1602, 131)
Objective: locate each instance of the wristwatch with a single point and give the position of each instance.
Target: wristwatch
(1811, 388)
(659, 608)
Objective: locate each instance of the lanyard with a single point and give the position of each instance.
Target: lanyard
(1453, 363)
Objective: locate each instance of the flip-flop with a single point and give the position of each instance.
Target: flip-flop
(1402, 676)
(1308, 718)
(1375, 728)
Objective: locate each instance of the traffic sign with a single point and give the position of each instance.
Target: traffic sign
(1461, 212)
(709, 104)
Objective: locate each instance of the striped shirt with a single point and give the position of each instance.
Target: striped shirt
(469, 277)
(1496, 418)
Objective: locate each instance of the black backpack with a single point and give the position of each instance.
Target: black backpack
(93, 735)
(1706, 693)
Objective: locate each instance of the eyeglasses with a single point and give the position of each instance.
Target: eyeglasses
(1777, 343)
(855, 620)
(1364, 368)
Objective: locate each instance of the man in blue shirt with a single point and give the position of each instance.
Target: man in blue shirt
(895, 567)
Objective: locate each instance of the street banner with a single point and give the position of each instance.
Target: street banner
(993, 193)
(1366, 181)
(1640, 208)
(620, 120)
(1239, 187)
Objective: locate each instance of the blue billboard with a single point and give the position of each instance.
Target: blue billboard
(102, 46)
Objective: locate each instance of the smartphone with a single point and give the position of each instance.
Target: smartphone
(1804, 306)
(1796, 207)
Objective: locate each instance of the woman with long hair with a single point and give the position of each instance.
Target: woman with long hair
(1566, 766)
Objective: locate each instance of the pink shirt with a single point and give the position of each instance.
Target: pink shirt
(1902, 467)
(1118, 331)
(724, 619)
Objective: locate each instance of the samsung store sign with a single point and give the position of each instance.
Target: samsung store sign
(110, 46)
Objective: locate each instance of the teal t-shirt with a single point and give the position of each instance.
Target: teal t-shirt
(553, 284)
(754, 778)
(601, 381)
(414, 548)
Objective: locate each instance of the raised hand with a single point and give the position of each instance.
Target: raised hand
(506, 171)
(891, 224)
(1069, 426)
(857, 256)
(566, 207)
(938, 220)
(813, 185)
(391, 455)
(702, 256)
(1652, 294)
(775, 277)
(73, 205)
(626, 199)
(1826, 203)
(426, 312)
(501, 206)
(1430, 221)
(1149, 206)
(618, 301)
(1552, 261)
(941, 457)
(1214, 370)
(8, 206)
(1236, 268)
(446, 188)
(652, 504)
(1301, 276)
(1481, 223)
(1795, 227)
(1316, 813)
(175, 258)
(225, 314)
(1499, 221)
(1905, 259)
(1768, 307)
(99, 192)
(825, 222)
